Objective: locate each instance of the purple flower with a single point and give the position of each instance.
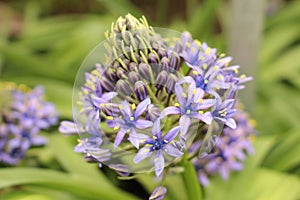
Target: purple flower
(158, 144)
(190, 105)
(129, 121)
(224, 112)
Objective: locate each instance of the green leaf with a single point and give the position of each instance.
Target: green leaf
(191, 183)
(86, 187)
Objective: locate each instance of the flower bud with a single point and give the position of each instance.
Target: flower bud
(106, 84)
(161, 79)
(152, 58)
(165, 63)
(175, 61)
(140, 90)
(159, 193)
(133, 77)
(145, 71)
(152, 113)
(172, 79)
(123, 88)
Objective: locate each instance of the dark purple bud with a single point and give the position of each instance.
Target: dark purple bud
(110, 109)
(133, 77)
(123, 87)
(152, 113)
(140, 90)
(152, 58)
(175, 61)
(120, 72)
(165, 63)
(110, 74)
(145, 71)
(172, 79)
(106, 84)
(162, 52)
(161, 79)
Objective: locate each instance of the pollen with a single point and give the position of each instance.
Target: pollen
(216, 68)
(90, 108)
(184, 95)
(188, 112)
(116, 128)
(243, 76)
(154, 137)
(194, 91)
(222, 55)
(131, 118)
(177, 104)
(121, 107)
(109, 117)
(142, 141)
(195, 72)
(205, 81)
(208, 50)
(200, 100)
(220, 77)
(201, 112)
(204, 66)
(133, 106)
(198, 42)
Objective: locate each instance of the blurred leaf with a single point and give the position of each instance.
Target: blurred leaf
(120, 7)
(86, 187)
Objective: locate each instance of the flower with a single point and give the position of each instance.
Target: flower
(224, 112)
(129, 121)
(159, 193)
(21, 120)
(231, 149)
(158, 144)
(190, 105)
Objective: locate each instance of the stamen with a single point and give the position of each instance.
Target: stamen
(110, 117)
(131, 118)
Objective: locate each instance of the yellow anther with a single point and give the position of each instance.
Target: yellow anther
(142, 141)
(220, 77)
(204, 66)
(148, 145)
(201, 112)
(243, 76)
(121, 107)
(90, 108)
(79, 142)
(154, 137)
(85, 92)
(110, 117)
(184, 95)
(128, 131)
(195, 72)
(188, 112)
(236, 70)
(116, 128)
(197, 42)
(208, 50)
(102, 104)
(194, 91)
(200, 100)
(227, 64)
(205, 81)
(216, 68)
(217, 87)
(133, 106)
(131, 118)
(222, 55)
(147, 150)
(177, 104)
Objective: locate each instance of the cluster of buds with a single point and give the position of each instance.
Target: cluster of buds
(152, 96)
(23, 113)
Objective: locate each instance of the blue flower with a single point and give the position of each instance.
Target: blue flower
(158, 144)
(129, 121)
(224, 112)
(190, 105)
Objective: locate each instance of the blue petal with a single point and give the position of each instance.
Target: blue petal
(231, 123)
(126, 109)
(179, 91)
(206, 117)
(171, 134)
(159, 163)
(171, 110)
(172, 150)
(156, 131)
(142, 154)
(108, 96)
(206, 103)
(141, 107)
(119, 137)
(134, 138)
(184, 123)
(142, 123)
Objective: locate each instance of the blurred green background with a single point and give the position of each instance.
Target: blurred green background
(44, 42)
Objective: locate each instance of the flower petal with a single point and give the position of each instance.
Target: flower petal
(179, 93)
(142, 154)
(206, 117)
(206, 103)
(159, 193)
(142, 123)
(125, 108)
(184, 123)
(172, 150)
(142, 107)
(171, 134)
(156, 131)
(231, 123)
(171, 110)
(159, 163)
(134, 138)
(119, 137)
(108, 96)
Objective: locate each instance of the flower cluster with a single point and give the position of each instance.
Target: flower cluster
(152, 96)
(230, 150)
(24, 113)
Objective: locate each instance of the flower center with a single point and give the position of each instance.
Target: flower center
(158, 144)
(201, 82)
